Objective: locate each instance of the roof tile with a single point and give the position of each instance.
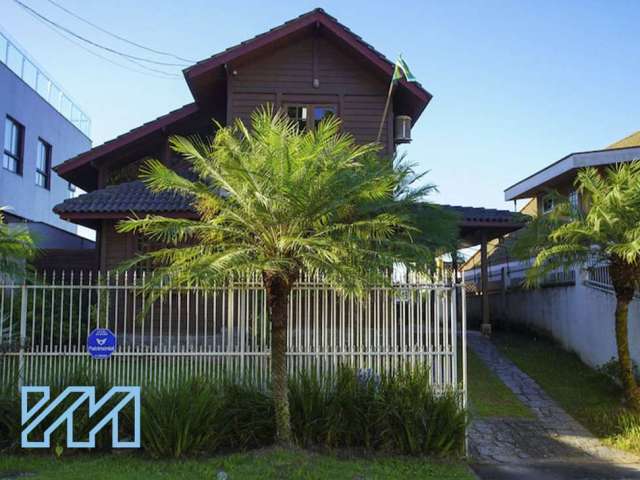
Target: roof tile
(125, 197)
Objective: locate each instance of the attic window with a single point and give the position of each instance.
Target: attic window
(298, 113)
(307, 116)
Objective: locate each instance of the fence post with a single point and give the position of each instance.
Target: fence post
(463, 301)
(23, 334)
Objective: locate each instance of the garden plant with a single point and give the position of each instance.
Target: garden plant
(604, 229)
(273, 201)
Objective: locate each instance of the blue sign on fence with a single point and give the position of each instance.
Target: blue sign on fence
(101, 343)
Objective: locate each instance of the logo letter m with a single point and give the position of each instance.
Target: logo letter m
(85, 394)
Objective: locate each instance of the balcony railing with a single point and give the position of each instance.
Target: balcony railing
(34, 76)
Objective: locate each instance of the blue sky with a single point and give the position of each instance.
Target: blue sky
(516, 84)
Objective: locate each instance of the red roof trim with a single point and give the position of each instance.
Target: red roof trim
(317, 15)
(126, 138)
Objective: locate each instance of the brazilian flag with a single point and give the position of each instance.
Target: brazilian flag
(402, 70)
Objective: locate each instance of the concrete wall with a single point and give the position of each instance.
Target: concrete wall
(40, 120)
(580, 317)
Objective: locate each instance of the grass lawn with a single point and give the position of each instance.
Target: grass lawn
(589, 396)
(263, 464)
(488, 396)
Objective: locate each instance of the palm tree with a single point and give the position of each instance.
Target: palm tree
(607, 231)
(274, 201)
(16, 247)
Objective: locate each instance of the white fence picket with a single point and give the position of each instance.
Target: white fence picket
(223, 330)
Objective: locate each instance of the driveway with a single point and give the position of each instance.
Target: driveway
(551, 446)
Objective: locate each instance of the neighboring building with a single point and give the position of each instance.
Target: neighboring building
(574, 306)
(311, 66)
(560, 175)
(40, 127)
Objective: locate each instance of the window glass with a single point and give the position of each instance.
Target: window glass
(43, 164)
(547, 204)
(29, 73)
(8, 132)
(43, 85)
(11, 159)
(322, 112)
(308, 116)
(14, 60)
(54, 96)
(298, 113)
(574, 199)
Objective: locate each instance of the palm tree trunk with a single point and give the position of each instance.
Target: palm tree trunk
(278, 291)
(631, 391)
(623, 284)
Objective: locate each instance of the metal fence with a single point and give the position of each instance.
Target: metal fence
(224, 330)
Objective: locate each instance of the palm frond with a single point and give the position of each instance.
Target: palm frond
(272, 199)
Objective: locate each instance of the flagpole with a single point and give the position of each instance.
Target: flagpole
(386, 109)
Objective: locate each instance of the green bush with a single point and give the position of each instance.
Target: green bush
(416, 421)
(9, 417)
(177, 420)
(393, 412)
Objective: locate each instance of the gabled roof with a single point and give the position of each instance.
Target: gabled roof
(198, 75)
(204, 75)
(144, 130)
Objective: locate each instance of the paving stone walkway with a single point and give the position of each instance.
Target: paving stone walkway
(553, 436)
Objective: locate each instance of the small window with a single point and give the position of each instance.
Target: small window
(298, 114)
(308, 116)
(547, 204)
(13, 142)
(43, 165)
(71, 188)
(574, 199)
(322, 112)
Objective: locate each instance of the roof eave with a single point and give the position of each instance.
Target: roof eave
(535, 183)
(125, 139)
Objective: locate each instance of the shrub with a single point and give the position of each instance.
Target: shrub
(394, 412)
(414, 420)
(9, 416)
(177, 419)
(245, 417)
(612, 370)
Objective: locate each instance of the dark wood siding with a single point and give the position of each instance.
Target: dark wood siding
(283, 76)
(116, 247)
(287, 76)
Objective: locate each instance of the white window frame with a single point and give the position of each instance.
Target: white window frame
(546, 198)
(574, 199)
